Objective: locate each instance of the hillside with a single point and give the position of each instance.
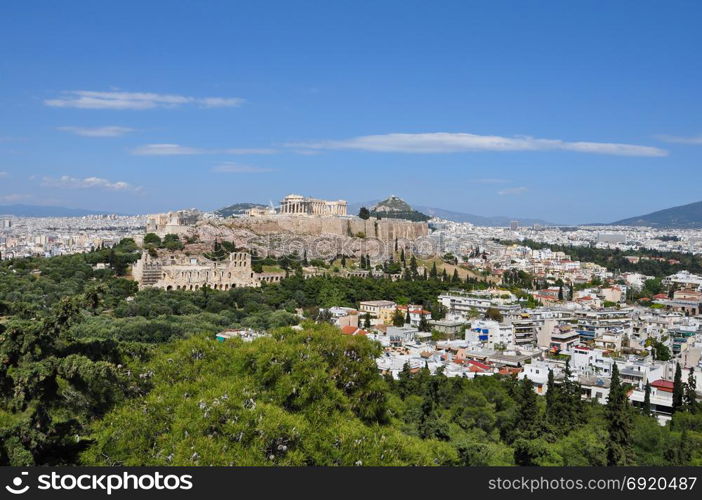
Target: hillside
(237, 209)
(397, 208)
(681, 217)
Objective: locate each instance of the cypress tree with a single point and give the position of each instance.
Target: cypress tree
(619, 422)
(444, 275)
(572, 402)
(551, 399)
(528, 410)
(690, 395)
(413, 265)
(678, 389)
(646, 407)
(433, 274)
(455, 278)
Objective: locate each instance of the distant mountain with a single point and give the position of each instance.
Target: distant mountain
(46, 211)
(681, 217)
(397, 208)
(481, 220)
(237, 209)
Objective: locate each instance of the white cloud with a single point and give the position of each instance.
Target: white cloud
(248, 151)
(108, 131)
(165, 150)
(13, 198)
(220, 102)
(67, 182)
(4, 174)
(443, 142)
(177, 149)
(514, 190)
(681, 140)
(88, 99)
(236, 168)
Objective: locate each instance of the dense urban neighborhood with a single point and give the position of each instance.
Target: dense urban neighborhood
(557, 327)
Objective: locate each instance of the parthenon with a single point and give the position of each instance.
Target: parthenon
(295, 204)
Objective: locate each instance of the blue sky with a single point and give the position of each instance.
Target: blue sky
(567, 111)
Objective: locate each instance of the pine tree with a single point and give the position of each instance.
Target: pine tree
(646, 407)
(408, 319)
(367, 321)
(678, 389)
(619, 422)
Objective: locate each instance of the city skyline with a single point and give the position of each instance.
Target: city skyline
(544, 110)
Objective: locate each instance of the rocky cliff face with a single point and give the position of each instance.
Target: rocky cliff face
(316, 236)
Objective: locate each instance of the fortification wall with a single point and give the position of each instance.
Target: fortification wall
(385, 230)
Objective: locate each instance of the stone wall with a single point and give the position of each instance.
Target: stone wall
(316, 237)
(385, 230)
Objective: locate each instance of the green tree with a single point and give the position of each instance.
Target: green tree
(678, 389)
(690, 392)
(494, 314)
(619, 422)
(398, 319)
(364, 213)
(646, 407)
(152, 239)
(172, 242)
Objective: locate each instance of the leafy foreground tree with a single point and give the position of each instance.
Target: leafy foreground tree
(51, 387)
(310, 397)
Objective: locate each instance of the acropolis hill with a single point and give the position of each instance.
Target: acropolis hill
(298, 220)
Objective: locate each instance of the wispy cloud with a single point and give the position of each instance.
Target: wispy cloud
(237, 168)
(247, 151)
(514, 190)
(108, 131)
(67, 182)
(4, 174)
(443, 142)
(165, 150)
(177, 149)
(89, 99)
(13, 198)
(697, 139)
